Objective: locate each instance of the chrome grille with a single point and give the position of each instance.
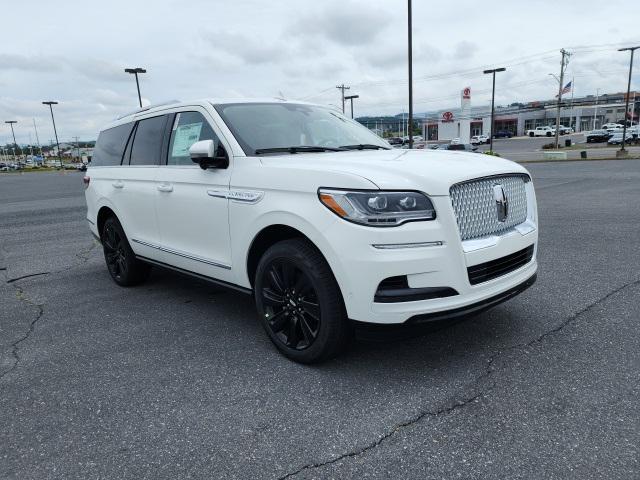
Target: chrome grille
(475, 208)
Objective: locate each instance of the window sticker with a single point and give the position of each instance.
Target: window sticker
(185, 136)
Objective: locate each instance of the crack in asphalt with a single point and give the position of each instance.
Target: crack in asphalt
(451, 406)
(27, 276)
(15, 346)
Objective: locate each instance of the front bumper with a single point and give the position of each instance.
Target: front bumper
(359, 267)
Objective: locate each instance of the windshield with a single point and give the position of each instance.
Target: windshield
(289, 128)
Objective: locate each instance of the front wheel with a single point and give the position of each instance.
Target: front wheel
(299, 302)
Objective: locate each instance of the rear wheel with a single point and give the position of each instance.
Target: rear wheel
(125, 269)
(531, 134)
(299, 302)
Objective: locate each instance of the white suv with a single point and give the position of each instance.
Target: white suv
(314, 215)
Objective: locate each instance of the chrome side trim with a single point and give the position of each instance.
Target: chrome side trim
(241, 196)
(397, 246)
(182, 254)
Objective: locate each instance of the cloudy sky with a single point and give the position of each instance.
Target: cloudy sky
(75, 52)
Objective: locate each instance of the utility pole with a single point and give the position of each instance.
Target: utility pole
(493, 96)
(37, 139)
(78, 147)
(595, 109)
(342, 88)
(563, 63)
(350, 98)
(410, 61)
(11, 122)
(51, 104)
(622, 151)
(136, 71)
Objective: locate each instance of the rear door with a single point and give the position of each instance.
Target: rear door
(192, 203)
(135, 186)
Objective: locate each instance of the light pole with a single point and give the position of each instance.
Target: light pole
(622, 151)
(11, 122)
(136, 71)
(595, 109)
(51, 104)
(350, 98)
(493, 96)
(410, 59)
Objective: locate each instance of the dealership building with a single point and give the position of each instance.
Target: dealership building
(580, 113)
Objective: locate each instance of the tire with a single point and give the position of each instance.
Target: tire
(531, 134)
(299, 303)
(125, 269)
(548, 134)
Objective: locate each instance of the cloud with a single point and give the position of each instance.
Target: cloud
(346, 24)
(9, 61)
(465, 50)
(247, 48)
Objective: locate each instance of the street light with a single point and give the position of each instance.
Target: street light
(622, 151)
(410, 52)
(11, 122)
(136, 71)
(350, 98)
(51, 104)
(493, 96)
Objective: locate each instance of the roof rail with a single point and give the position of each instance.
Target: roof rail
(149, 107)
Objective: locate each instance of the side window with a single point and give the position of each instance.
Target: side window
(110, 145)
(188, 128)
(147, 142)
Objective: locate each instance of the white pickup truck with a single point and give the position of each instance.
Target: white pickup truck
(542, 132)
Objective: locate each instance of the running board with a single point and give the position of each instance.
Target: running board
(220, 283)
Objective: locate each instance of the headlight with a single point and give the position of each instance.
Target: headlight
(378, 208)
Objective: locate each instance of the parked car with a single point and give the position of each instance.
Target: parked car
(503, 134)
(564, 130)
(616, 139)
(479, 140)
(458, 147)
(542, 132)
(597, 136)
(395, 141)
(337, 229)
(612, 126)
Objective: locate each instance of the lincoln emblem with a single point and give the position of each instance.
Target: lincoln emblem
(502, 203)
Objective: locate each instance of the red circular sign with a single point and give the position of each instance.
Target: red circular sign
(466, 92)
(447, 117)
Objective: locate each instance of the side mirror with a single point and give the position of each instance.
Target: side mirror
(205, 154)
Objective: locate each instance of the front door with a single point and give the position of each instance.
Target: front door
(192, 206)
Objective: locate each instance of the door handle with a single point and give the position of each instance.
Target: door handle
(118, 184)
(165, 187)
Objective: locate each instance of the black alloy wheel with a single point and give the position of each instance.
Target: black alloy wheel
(125, 269)
(292, 311)
(299, 302)
(114, 252)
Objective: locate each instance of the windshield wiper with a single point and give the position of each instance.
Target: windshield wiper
(298, 149)
(364, 146)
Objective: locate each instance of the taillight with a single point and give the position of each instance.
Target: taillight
(86, 181)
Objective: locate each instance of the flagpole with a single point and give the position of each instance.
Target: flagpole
(570, 115)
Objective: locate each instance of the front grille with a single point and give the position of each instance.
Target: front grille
(484, 272)
(475, 206)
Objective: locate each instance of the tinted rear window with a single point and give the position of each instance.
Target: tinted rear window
(110, 145)
(147, 143)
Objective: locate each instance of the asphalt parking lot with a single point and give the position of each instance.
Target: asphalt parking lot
(176, 379)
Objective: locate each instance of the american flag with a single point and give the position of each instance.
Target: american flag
(566, 89)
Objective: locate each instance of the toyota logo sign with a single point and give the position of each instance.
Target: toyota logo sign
(466, 93)
(447, 117)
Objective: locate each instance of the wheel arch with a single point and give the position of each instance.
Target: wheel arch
(103, 213)
(264, 239)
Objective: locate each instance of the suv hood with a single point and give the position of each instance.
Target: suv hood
(430, 171)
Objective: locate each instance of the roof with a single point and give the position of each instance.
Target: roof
(127, 117)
